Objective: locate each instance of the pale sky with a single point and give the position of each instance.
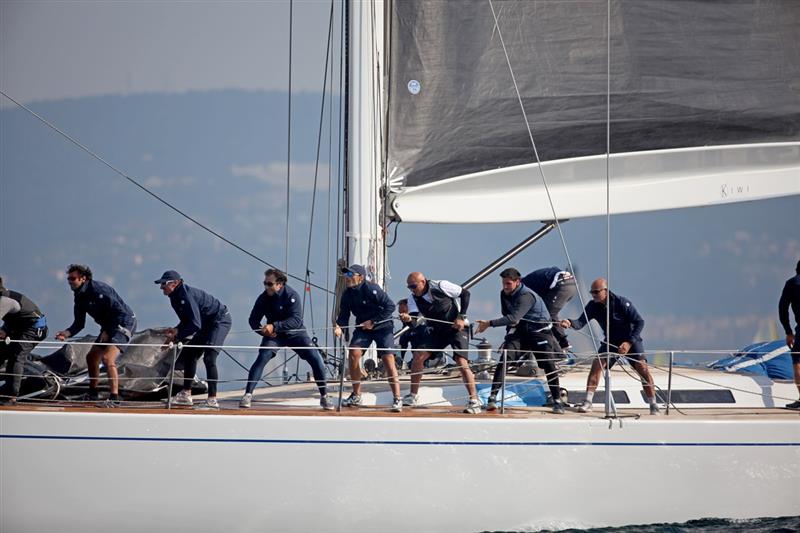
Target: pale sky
(51, 50)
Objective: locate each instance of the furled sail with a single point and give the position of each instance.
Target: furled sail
(704, 106)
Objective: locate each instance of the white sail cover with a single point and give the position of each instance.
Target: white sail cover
(704, 106)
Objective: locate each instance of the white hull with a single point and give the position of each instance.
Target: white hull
(100, 471)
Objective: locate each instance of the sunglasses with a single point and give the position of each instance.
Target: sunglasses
(73, 278)
(349, 274)
(269, 284)
(596, 291)
(412, 286)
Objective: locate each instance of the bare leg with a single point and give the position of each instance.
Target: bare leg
(467, 376)
(641, 369)
(594, 375)
(354, 358)
(391, 371)
(417, 366)
(109, 357)
(93, 365)
(796, 368)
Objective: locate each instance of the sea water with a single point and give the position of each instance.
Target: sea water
(787, 524)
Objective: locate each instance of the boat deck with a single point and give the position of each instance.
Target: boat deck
(301, 399)
(273, 402)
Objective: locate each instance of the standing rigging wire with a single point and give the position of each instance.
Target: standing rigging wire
(135, 182)
(330, 164)
(609, 398)
(307, 288)
(538, 160)
(289, 164)
(289, 137)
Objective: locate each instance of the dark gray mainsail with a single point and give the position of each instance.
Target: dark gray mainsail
(683, 75)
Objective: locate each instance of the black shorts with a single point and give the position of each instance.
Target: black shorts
(636, 353)
(437, 339)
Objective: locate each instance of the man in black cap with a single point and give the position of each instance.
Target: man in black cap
(117, 324)
(22, 321)
(373, 310)
(791, 297)
(204, 323)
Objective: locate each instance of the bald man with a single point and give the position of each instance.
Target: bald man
(624, 338)
(445, 305)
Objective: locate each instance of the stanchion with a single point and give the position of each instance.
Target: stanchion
(503, 383)
(343, 352)
(174, 349)
(669, 381)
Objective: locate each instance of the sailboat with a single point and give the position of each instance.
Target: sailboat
(485, 111)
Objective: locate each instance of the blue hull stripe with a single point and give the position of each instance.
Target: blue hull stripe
(398, 442)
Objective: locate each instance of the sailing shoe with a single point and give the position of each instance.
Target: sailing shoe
(210, 403)
(558, 408)
(793, 405)
(326, 403)
(246, 400)
(354, 400)
(111, 402)
(491, 404)
(585, 407)
(397, 405)
(411, 400)
(90, 396)
(473, 406)
(182, 398)
(654, 410)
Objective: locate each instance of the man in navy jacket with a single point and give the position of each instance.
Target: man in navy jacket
(624, 338)
(280, 305)
(373, 310)
(117, 324)
(204, 323)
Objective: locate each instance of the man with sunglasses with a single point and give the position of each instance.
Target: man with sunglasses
(556, 288)
(624, 338)
(280, 305)
(204, 322)
(373, 310)
(117, 324)
(22, 321)
(528, 329)
(445, 305)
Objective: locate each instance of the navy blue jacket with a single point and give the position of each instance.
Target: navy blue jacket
(790, 295)
(367, 301)
(523, 303)
(283, 311)
(626, 322)
(540, 280)
(101, 302)
(196, 309)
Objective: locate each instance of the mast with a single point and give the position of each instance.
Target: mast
(364, 126)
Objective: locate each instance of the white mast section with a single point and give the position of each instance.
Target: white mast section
(365, 235)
